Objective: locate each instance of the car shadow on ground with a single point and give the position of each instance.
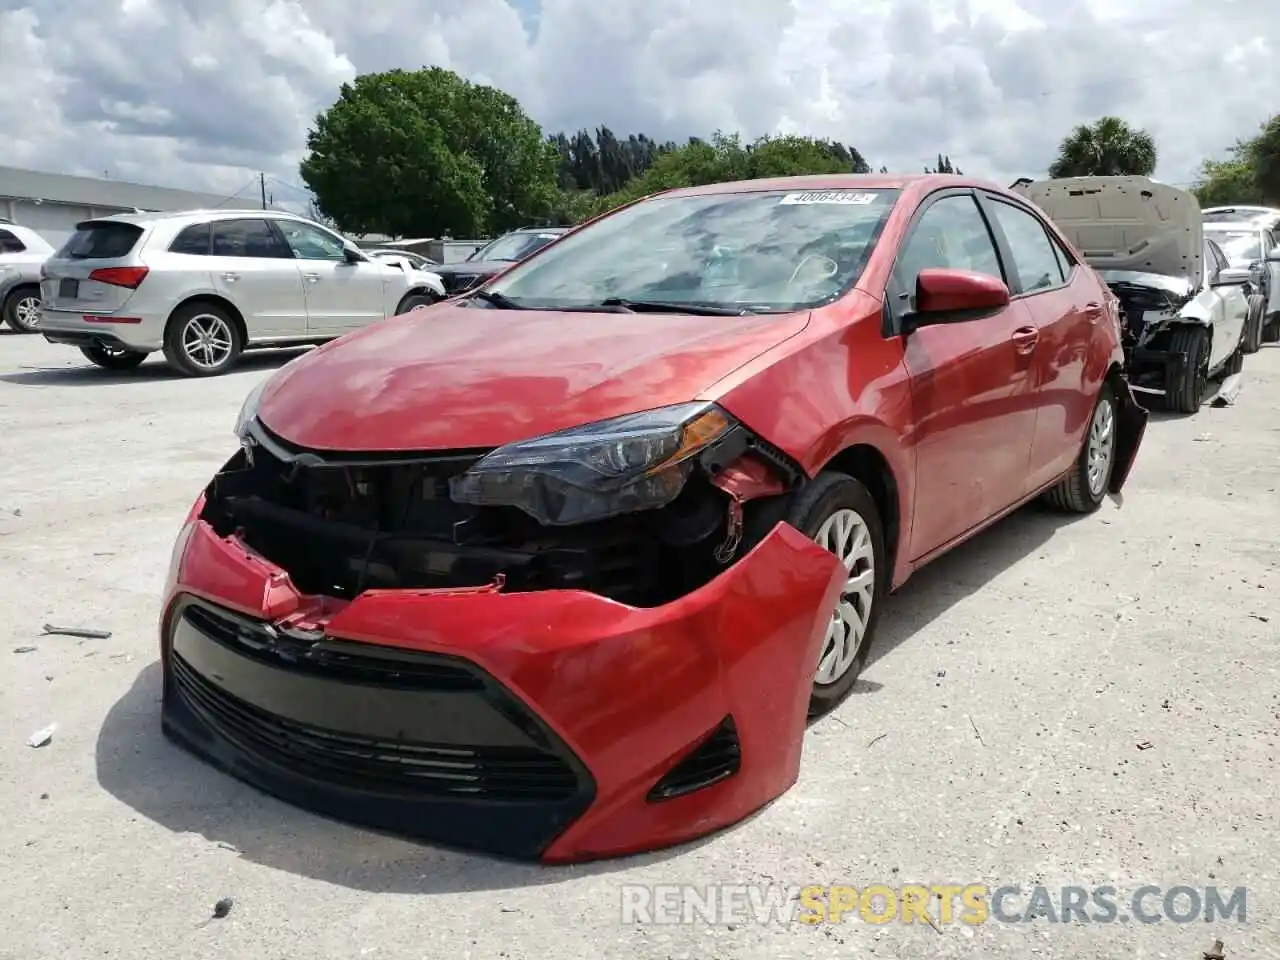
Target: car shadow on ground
(939, 585)
(154, 369)
(138, 766)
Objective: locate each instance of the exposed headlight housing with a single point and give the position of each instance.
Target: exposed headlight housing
(249, 409)
(635, 462)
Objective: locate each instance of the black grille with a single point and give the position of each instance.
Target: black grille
(716, 758)
(376, 766)
(344, 663)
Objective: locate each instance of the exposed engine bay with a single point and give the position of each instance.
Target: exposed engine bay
(1150, 304)
(340, 525)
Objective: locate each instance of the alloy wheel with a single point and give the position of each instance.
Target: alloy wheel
(846, 534)
(27, 312)
(207, 341)
(1102, 444)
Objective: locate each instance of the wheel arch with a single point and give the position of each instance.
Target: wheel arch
(212, 299)
(868, 464)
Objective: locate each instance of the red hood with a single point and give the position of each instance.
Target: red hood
(451, 377)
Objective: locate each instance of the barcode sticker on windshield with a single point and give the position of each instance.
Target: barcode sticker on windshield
(829, 196)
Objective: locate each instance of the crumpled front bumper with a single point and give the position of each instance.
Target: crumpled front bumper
(1131, 427)
(527, 725)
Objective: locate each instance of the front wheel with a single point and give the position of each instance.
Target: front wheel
(841, 516)
(113, 358)
(1253, 326)
(1082, 490)
(21, 310)
(416, 301)
(1185, 395)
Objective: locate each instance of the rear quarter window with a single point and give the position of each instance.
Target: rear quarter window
(101, 241)
(9, 242)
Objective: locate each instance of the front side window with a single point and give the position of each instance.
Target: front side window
(950, 235)
(1035, 263)
(311, 243)
(772, 251)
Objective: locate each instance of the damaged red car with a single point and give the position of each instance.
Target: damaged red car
(558, 569)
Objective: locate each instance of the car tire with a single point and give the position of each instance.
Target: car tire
(1084, 487)
(1252, 341)
(113, 358)
(828, 501)
(18, 307)
(1186, 395)
(416, 301)
(202, 340)
(1271, 332)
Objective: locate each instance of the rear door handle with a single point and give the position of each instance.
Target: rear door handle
(1093, 311)
(1025, 339)
(231, 277)
(312, 277)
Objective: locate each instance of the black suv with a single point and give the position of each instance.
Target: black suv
(494, 257)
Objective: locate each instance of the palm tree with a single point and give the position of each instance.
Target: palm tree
(1106, 148)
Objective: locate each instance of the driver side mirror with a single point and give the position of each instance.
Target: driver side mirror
(954, 296)
(1273, 255)
(352, 255)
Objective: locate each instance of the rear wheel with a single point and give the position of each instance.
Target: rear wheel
(1253, 325)
(113, 358)
(841, 516)
(1185, 395)
(21, 309)
(1271, 332)
(1082, 490)
(202, 340)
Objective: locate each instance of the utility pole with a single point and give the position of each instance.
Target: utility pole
(262, 184)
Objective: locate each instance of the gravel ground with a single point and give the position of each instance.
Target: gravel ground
(993, 740)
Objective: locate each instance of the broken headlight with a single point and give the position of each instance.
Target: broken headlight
(249, 409)
(635, 462)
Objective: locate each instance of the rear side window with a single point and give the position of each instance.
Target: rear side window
(9, 242)
(103, 240)
(194, 240)
(248, 238)
(1036, 262)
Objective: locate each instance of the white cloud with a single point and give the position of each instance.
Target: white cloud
(204, 95)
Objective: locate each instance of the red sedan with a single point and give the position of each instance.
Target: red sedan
(559, 568)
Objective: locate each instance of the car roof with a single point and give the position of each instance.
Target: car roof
(140, 219)
(923, 182)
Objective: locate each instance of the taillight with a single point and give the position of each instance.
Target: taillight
(129, 277)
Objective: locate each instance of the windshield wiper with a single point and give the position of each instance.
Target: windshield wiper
(498, 300)
(661, 306)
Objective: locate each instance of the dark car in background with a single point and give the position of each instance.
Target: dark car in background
(495, 256)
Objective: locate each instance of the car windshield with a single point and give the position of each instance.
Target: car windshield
(514, 246)
(1239, 244)
(764, 252)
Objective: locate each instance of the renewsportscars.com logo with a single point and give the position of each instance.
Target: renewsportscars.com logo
(934, 904)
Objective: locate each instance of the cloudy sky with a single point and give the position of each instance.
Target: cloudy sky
(203, 95)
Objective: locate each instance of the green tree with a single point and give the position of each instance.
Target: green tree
(1107, 148)
(1262, 154)
(426, 152)
(725, 158)
(944, 165)
(1224, 182)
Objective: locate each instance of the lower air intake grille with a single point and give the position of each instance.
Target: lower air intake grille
(716, 758)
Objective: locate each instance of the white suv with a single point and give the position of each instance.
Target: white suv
(204, 285)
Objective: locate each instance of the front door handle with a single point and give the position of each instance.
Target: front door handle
(312, 277)
(1093, 311)
(1024, 339)
(231, 277)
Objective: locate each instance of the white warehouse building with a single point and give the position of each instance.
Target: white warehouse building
(52, 203)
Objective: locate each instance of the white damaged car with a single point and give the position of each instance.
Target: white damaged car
(1183, 309)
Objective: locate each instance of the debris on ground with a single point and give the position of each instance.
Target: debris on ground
(874, 740)
(976, 732)
(82, 632)
(1229, 392)
(24, 649)
(1260, 617)
(41, 737)
(222, 908)
(1215, 952)
(1145, 745)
